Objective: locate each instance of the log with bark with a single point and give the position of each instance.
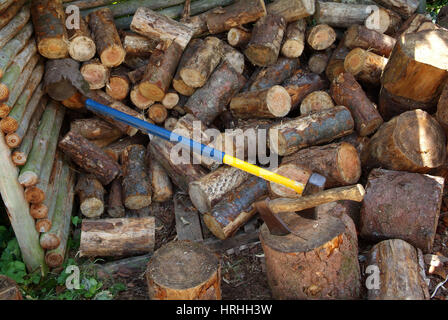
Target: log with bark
(10, 12)
(321, 37)
(162, 189)
(14, 26)
(442, 110)
(178, 84)
(265, 78)
(115, 207)
(238, 37)
(316, 101)
(118, 237)
(294, 42)
(14, 46)
(365, 65)
(411, 24)
(137, 45)
(114, 150)
(403, 7)
(118, 84)
(170, 100)
(295, 172)
(188, 222)
(95, 73)
(292, 10)
(157, 113)
(361, 37)
(139, 100)
(81, 45)
(335, 65)
(136, 75)
(393, 207)
(94, 129)
(234, 57)
(91, 196)
(318, 61)
(342, 15)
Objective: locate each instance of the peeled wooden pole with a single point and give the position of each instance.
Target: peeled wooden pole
(361, 37)
(178, 84)
(294, 42)
(14, 46)
(292, 10)
(238, 37)
(316, 101)
(14, 26)
(273, 75)
(162, 189)
(10, 12)
(81, 45)
(365, 66)
(115, 207)
(107, 40)
(49, 26)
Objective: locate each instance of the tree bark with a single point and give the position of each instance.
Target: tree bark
(292, 10)
(234, 57)
(273, 75)
(94, 128)
(14, 46)
(341, 15)
(14, 26)
(137, 45)
(403, 7)
(361, 37)
(316, 101)
(95, 73)
(178, 84)
(115, 207)
(115, 149)
(136, 75)
(81, 45)
(335, 65)
(318, 61)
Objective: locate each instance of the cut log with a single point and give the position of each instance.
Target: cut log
(318, 61)
(238, 37)
(10, 12)
(107, 40)
(295, 172)
(118, 84)
(188, 223)
(403, 7)
(137, 45)
(180, 170)
(192, 276)
(136, 182)
(346, 210)
(178, 84)
(9, 290)
(235, 208)
(402, 274)
(346, 91)
(383, 20)
(316, 101)
(365, 65)
(266, 40)
(413, 141)
(206, 192)
(292, 10)
(159, 72)
(162, 189)
(415, 73)
(321, 37)
(115, 149)
(234, 57)
(118, 237)
(49, 26)
(139, 100)
(170, 123)
(294, 42)
(393, 207)
(324, 247)
(157, 113)
(316, 128)
(336, 64)
(274, 74)
(115, 207)
(360, 143)
(170, 100)
(81, 45)
(341, 15)
(94, 128)
(14, 26)
(362, 37)
(411, 24)
(198, 68)
(155, 26)
(89, 157)
(301, 84)
(241, 12)
(338, 162)
(95, 73)
(91, 196)
(13, 47)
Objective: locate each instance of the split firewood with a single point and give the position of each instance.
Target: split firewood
(321, 37)
(188, 223)
(107, 40)
(9, 290)
(10, 12)
(211, 100)
(335, 65)
(294, 42)
(170, 123)
(137, 45)
(206, 192)
(318, 61)
(234, 57)
(135, 76)
(198, 273)
(91, 196)
(95, 73)
(292, 10)
(346, 91)
(49, 25)
(238, 37)
(407, 217)
(162, 189)
(178, 84)
(118, 237)
(403, 7)
(94, 129)
(294, 171)
(114, 150)
(139, 100)
(157, 113)
(81, 45)
(403, 89)
(14, 26)
(266, 40)
(159, 72)
(115, 207)
(400, 144)
(401, 272)
(75, 102)
(361, 37)
(365, 65)
(319, 245)
(198, 68)
(316, 128)
(118, 84)
(14, 46)
(241, 12)
(273, 75)
(316, 101)
(301, 84)
(82, 151)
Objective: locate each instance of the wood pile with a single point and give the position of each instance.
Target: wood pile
(356, 95)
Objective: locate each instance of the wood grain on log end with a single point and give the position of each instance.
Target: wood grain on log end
(9, 125)
(96, 74)
(82, 48)
(38, 210)
(19, 158)
(4, 92)
(34, 195)
(43, 225)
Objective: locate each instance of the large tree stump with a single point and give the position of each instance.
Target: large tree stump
(323, 265)
(401, 205)
(401, 276)
(412, 141)
(184, 270)
(292, 10)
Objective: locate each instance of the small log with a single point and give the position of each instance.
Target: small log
(206, 192)
(14, 26)
(82, 151)
(128, 268)
(302, 83)
(316, 101)
(316, 128)
(273, 75)
(115, 207)
(9, 290)
(107, 40)
(118, 237)
(178, 84)
(335, 65)
(137, 45)
(170, 123)
(241, 12)
(157, 113)
(321, 37)
(341, 15)
(94, 128)
(318, 62)
(170, 100)
(393, 207)
(211, 100)
(155, 26)
(139, 100)
(81, 45)
(346, 91)
(159, 72)
(234, 57)
(384, 21)
(115, 149)
(362, 37)
(198, 68)
(401, 276)
(14, 46)
(49, 26)
(238, 37)
(95, 73)
(296, 172)
(104, 142)
(338, 162)
(91, 196)
(294, 42)
(10, 12)
(162, 189)
(188, 223)
(413, 141)
(365, 65)
(198, 273)
(118, 84)
(405, 8)
(265, 42)
(292, 10)
(235, 208)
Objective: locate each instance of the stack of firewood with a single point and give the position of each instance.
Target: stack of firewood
(354, 92)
